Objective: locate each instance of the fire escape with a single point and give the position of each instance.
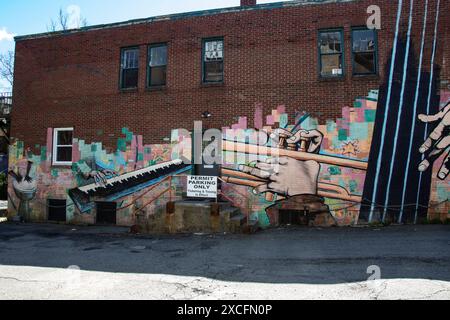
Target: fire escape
(5, 124)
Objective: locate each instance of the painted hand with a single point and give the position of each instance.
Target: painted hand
(286, 176)
(316, 138)
(101, 177)
(438, 142)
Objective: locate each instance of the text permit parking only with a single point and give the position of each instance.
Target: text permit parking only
(202, 187)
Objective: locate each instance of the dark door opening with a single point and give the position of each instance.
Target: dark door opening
(56, 210)
(293, 217)
(106, 213)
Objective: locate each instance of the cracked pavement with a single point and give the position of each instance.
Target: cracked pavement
(42, 261)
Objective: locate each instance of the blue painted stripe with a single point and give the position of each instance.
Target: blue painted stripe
(400, 110)
(416, 102)
(386, 111)
(430, 88)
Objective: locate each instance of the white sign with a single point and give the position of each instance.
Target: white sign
(201, 187)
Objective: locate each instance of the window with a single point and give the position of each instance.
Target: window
(157, 65)
(213, 60)
(62, 146)
(129, 68)
(364, 49)
(331, 53)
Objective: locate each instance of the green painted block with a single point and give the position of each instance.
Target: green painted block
(54, 173)
(129, 137)
(357, 104)
(353, 186)
(370, 115)
(140, 157)
(334, 171)
(124, 130)
(284, 119)
(44, 154)
(343, 134)
(94, 147)
(121, 145)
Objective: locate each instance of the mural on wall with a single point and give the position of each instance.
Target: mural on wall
(24, 187)
(386, 159)
(103, 184)
(316, 170)
(96, 175)
(398, 185)
(437, 142)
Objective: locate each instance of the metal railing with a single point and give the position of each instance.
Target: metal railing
(5, 103)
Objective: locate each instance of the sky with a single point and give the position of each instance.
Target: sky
(23, 17)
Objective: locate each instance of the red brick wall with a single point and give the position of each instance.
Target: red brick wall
(270, 58)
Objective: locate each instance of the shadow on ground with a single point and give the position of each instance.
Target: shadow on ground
(293, 255)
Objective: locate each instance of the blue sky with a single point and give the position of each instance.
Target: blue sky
(21, 17)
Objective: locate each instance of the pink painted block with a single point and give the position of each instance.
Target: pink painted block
(361, 115)
(270, 120)
(346, 113)
(281, 109)
(140, 144)
(371, 104)
(49, 141)
(243, 123)
(325, 144)
(258, 121)
(76, 154)
(445, 97)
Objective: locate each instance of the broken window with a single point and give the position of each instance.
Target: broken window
(331, 56)
(213, 60)
(364, 48)
(62, 146)
(129, 68)
(157, 65)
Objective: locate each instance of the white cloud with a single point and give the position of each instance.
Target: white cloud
(74, 16)
(5, 35)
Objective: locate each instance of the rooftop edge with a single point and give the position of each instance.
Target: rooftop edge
(177, 16)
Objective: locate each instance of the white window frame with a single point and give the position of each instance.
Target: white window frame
(55, 147)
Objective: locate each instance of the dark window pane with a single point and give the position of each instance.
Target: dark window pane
(330, 42)
(129, 68)
(64, 154)
(130, 78)
(64, 138)
(158, 56)
(331, 65)
(158, 76)
(214, 71)
(363, 41)
(364, 63)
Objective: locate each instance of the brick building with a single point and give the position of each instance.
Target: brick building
(149, 76)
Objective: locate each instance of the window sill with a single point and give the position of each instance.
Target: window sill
(212, 84)
(156, 88)
(331, 79)
(128, 90)
(366, 76)
(62, 166)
